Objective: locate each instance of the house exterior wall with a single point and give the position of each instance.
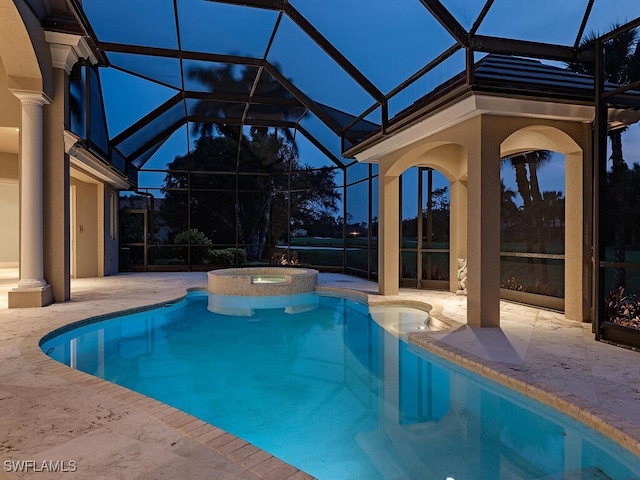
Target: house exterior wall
(10, 215)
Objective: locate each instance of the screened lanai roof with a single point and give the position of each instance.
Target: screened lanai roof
(337, 71)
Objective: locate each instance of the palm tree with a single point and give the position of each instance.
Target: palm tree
(236, 79)
(508, 209)
(526, 170)
(621, 67)
(535, 160)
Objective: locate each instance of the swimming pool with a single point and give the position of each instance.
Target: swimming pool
(333, 393)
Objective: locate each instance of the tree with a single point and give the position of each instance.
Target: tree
(509, 212)
(245, 190)
(526, 174)
(621, 67)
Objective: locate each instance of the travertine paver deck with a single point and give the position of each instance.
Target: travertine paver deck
(51, 412)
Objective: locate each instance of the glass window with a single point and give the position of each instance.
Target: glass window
(98, 134)
(77, 100)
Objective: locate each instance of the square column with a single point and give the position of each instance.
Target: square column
(388, 234)
(483, 233)
(32, 289)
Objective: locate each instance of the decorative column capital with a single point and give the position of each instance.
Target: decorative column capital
(31, 98)
(67, 49)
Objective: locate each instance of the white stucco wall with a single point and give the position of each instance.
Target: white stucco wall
(10, 215)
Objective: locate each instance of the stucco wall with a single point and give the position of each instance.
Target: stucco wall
(110, 234)
(8, 166)
(86, 229)
(10, 215)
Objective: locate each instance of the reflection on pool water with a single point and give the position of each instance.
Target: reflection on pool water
(333, 393)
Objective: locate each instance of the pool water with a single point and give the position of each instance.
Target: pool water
(330, 391)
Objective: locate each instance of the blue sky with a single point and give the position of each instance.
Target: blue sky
(387, 41)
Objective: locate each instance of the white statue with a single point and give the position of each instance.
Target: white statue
(462, 276)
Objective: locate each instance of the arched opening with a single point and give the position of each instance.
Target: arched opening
(19, 70)
(425, 224)
(432, 215)
(541, 254)
(532, 228)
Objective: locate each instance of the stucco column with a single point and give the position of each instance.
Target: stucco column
(388, 234)
(483, 231)
(457, 229)
(32, 289)
(576, 248)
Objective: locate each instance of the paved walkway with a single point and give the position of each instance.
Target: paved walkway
(51, 412)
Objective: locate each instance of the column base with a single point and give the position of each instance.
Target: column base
(30, 297)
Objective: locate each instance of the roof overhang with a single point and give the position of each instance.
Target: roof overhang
(88, 162)
(469, 107)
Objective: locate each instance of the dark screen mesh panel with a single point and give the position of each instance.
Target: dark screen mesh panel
(98, 135)
(225, 29)
(119, 21)
(358, 132)
(320, 77)
(427, 83)
(142, 159)
(603, 17)
(465, 11)
(276, 113)
(213, 77)
(212, 111)
(310, 154)
(163, 70)
(269, 87)
(540, 21)
(330, 140)
(154, 131)
(380, 40)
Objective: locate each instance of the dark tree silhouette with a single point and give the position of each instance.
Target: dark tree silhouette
(621, 66)
(267, 189)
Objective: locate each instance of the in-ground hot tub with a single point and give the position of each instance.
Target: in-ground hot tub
(238, 291)
(262, 281)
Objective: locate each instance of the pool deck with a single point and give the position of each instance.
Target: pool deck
(49, 412)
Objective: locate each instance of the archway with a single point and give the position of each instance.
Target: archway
(548, 138)
(19, 71)
(447, 158)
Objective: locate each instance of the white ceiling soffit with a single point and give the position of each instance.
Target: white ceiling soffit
(470, 107)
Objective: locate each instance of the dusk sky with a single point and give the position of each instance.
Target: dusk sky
(386, 41)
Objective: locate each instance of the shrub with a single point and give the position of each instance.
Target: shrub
(227, 256)
(193, 237)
